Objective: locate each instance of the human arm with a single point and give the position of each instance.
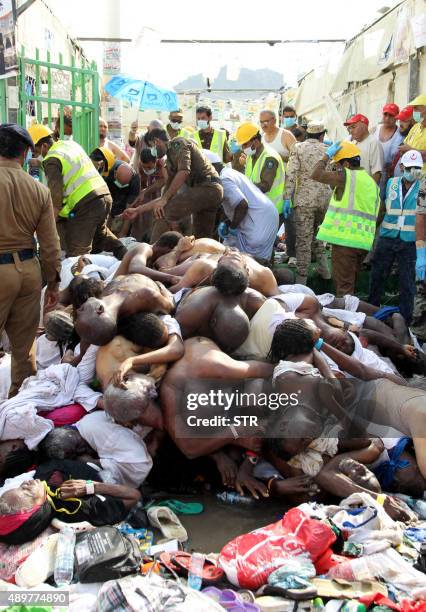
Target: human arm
(267, 174)
(50, 251)
(388, 343)
(288, 140)
(356, 368)
(119, 153)
(320, 174)
(53, 171)
(292, 170)
(246, 480)
(227, 155)
(77, 488)
(173, 351)
(239, 213)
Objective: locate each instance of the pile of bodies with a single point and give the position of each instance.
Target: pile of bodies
(142, 354)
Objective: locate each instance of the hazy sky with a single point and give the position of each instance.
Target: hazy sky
(219, 19)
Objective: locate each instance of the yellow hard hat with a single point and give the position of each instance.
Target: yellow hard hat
(245, 132)
(419, 101)
(346, 151)
(39, 131)
(109, 157)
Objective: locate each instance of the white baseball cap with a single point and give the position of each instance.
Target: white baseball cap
(412, 158)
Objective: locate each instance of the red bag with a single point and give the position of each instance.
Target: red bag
(250, 558)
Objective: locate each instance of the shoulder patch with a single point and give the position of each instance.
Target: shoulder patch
(269, 164)
(176, 145)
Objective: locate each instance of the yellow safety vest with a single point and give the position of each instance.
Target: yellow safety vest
(276, 193)
(217, 144)
(351, 221)
(79, 174)
(183, 133)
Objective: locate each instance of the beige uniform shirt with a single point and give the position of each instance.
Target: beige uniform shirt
(183, 154)
(299, 186)
(26, 209)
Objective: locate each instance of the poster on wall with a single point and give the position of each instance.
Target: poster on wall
(112, 58)
(8, 58)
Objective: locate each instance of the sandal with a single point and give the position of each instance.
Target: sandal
(178, 507)
(179, 562)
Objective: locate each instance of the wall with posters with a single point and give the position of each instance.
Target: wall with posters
(8, 63)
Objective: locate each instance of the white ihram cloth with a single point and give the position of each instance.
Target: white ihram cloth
(58, 385)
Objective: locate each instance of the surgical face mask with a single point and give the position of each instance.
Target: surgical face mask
(288, 122)
(149, 172)
(154, 151)
(202, 124)
(413, 174)
(175, 125)
(249, 151)
(119, 185)
(417, 116)
(28, 156)
(67, 137)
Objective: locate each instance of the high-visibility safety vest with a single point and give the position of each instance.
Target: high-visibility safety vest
(253, 172)
(351, 221)
(217, 144)
(183, 133)
(79, 174)
(400, 217)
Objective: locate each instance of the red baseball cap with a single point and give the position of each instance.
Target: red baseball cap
(391, 109)
(405, 114)
(356, 118)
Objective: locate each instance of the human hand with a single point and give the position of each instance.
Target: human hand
(403, 148)
(295, 486)
(409, 351)
(286, 208)
(421, 263)
(327, 142)
(157, 371)
(120, 373)
(256, 487)
(332, 149)
(223, 230)
(232, 231)
(158, 208)
(185, 244)
(234, 147)
(73, 488)
(129, 214)
(398, 511)
(51, 297)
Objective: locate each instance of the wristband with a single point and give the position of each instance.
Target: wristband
(270, 481)
(318, 344)
(90, 487)
(381, 498)
(252, 457)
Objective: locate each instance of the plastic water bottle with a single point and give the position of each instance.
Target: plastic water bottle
(195, 573)
(64, 564)
(235, 499)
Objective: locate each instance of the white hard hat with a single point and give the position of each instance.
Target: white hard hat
(412, 158)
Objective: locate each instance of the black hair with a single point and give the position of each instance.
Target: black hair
(288, 109)
(169, 239)
(143, 328)
(354, 162)
(84, 287)
(147, 157)
(205, 109)
(11, 146)
(97, 155)
(258, 136)
(17, 462)
(46, 140)
(230, 279)
(291, 337)
(298, 132)
(156, 133)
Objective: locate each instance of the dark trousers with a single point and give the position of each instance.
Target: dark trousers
(387, 251)
(290, 233)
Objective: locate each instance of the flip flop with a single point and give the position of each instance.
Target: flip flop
(211, 573)
(179, 507)
(166, 520)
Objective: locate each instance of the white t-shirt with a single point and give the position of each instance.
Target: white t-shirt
(372, 159)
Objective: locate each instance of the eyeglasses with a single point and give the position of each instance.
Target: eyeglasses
(265, 121)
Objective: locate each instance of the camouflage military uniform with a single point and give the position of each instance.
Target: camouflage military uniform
(418, 325)
(310, 199)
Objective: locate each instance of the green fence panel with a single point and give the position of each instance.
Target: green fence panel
(40, 100)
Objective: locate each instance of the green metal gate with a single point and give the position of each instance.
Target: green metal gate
(47, 90)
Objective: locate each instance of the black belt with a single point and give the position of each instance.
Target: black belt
(7, 258)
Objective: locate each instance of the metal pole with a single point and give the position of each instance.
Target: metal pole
(49, 90)
(37, 88)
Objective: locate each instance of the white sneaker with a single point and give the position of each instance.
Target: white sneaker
(292, 262)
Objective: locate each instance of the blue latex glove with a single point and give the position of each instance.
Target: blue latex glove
(421, 263)
(328, 142)
(232, 232)
(286, 208)
(223, 230)
(234, 147)
(332, 149)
